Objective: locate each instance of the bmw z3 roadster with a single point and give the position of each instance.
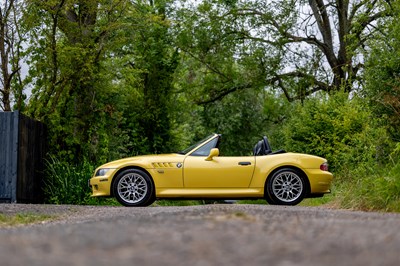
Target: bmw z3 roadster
(198, 172)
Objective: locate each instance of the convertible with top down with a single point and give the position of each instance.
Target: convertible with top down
(199, 172)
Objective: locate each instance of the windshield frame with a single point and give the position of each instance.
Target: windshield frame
(198, 144)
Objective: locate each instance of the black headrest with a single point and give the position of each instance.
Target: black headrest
(259, 148)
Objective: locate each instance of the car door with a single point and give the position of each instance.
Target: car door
(219, 172)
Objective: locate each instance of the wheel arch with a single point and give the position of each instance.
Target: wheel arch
(304, 175)
(127, 168)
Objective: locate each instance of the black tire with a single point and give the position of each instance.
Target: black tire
(134, 188)
(286, 187)
(268, 198)
(151, 200)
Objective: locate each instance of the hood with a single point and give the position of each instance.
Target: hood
(145, 161)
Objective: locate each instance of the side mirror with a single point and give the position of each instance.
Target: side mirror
(214, 152)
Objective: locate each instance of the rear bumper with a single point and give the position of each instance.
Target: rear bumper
(320, 181)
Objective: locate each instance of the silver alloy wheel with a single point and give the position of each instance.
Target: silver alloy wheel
(287, 186)
(132, 188)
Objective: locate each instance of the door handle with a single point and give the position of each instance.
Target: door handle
(244, 163)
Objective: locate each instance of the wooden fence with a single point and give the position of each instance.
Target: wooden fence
(22, 150)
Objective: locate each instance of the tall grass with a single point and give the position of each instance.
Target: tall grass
(378, 191)
(67, 184)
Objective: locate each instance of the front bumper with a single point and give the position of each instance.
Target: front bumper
(101, 185)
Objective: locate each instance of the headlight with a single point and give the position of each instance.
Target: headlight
(102, 171)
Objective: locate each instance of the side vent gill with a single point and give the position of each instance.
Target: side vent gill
(163, 165)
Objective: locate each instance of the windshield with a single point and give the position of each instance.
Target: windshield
(195, 145)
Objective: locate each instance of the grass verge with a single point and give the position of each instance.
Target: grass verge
(23, 219)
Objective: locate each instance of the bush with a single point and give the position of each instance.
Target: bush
(340, 130)
(67, 184)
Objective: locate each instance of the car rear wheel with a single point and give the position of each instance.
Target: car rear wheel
(286, 187)
(133, 187)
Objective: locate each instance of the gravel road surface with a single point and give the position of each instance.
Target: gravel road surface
(200, 236)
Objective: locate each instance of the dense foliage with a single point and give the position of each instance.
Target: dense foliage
(120, 78)
(336, 129)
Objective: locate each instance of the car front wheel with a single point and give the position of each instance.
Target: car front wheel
(286, 187)
(133, 187)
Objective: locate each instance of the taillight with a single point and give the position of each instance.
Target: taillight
(324, 166)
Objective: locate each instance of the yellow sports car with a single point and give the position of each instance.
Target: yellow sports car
(198, 172)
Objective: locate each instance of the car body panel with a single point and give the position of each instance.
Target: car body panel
(200, 176)
(220, 172)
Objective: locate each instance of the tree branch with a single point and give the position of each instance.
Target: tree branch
(14, 72)
(356, 7)
(321, 16)
(324, 86)
(371, 18)
(222, 94)
(315, 84)
(246, 36)
(207, 65)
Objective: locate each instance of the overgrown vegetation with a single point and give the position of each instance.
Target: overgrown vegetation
(113, 79)
(67, 184)
(361, 153)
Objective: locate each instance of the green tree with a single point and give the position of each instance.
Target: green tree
(102, 76)
(296, 47)
(69, 41)
(11, 39)
(154, 59)
(382, 75)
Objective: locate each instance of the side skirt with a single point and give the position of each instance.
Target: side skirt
(210, 193)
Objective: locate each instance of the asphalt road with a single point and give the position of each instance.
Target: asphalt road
(201, 236)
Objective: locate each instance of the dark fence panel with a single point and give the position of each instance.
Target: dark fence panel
(8, 156)
(31, 151)
(22, 150)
